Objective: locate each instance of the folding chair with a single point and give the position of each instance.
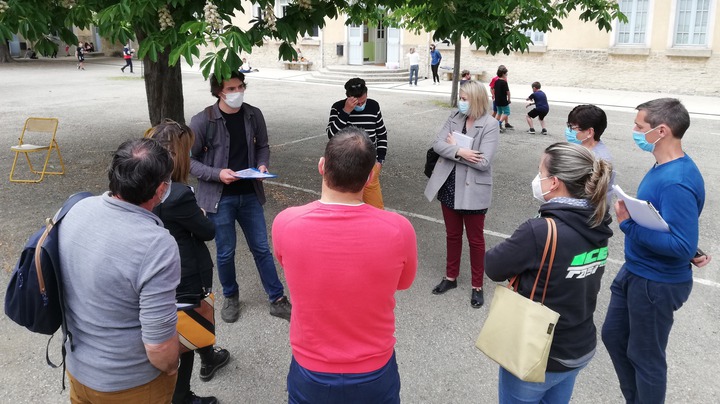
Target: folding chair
(40, 129)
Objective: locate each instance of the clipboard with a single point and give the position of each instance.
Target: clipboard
(642, 212)
(463, 141)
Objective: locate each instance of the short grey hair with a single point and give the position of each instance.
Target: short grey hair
(668, 111)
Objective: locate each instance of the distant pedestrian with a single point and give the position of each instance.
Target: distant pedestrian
(464, 77)
(80, 54)
(539, 100)
(128, 55)
(492, 90)
(435, 58)
(67, 50)
(414, 62)
(502, 99)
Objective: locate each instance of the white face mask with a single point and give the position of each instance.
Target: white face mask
(234, 100)
(537, 188)
(167, 191)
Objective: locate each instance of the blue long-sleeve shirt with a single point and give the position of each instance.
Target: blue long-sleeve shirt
(677, 191)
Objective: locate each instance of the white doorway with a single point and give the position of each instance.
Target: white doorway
(393, 45)
(380, 44)
(355, 45)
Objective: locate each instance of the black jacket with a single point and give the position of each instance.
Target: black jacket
(186, 222)
(574, 281)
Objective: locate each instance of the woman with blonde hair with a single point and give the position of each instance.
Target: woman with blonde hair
(572, 186)
(462, 181)
(186, 222)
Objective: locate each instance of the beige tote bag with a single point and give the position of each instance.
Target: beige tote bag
(518, 331)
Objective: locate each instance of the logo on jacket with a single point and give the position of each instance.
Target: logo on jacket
(587, 263)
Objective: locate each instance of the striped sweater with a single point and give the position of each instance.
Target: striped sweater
(370, 119)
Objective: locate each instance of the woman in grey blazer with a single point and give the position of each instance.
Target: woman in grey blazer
(462, 181)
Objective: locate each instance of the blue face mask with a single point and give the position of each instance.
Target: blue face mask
(463, 107)
(360, 108)
(641, 141)
(571, 136)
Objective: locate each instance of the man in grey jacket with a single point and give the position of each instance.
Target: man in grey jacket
(120, 268)
(231, 136)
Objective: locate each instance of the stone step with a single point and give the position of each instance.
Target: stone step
(342, 81)
(366, 77)
(362, 70)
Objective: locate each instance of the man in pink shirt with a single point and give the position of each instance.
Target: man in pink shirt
(343, 262)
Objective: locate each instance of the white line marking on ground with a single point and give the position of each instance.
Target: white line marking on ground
(488, 232)
(298, 140)
(423, 112)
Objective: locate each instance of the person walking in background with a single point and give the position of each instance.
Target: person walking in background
(539, 100)
(230, 136)
(414, 62)
(187, 223)
(128, 55)
(80, 55)
(571, 185)
(359, 110)
(656, 278)
(501, 92)
(342, 331)
(462, 181)
(435, 58)
(464, 77)
(492, 90)
(120, 268)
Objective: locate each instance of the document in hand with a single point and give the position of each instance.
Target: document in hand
(463, 140)
(642, 212)
(250, 173)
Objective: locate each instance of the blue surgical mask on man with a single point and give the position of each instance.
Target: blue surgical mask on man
(360, 108)
(463, 107)
(641, 141)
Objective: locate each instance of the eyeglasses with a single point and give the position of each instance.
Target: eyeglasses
(573, 127)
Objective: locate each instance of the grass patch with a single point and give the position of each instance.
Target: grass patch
(132, 77)
(441, 103)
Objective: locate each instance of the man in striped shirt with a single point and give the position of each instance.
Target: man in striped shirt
(360, 111)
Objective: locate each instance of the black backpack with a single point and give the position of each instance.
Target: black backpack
(34, 297)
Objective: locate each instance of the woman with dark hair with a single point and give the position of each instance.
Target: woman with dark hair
(462, 181)
(571, 184)
(186, 222)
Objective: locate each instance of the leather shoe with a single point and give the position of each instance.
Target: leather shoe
(444, 286)
(477, 299)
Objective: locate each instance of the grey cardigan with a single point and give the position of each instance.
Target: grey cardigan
(473, 182)
(207, 167)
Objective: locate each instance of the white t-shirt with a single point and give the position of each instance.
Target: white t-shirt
(414, 58)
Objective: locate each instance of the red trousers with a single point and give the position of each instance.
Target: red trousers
(474, 224)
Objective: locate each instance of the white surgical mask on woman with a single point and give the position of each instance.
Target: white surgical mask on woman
(537, 188)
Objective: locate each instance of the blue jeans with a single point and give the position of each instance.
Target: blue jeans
(636, 330)
(556, 389)
(381, 386)
(414, 69)
(247, 211)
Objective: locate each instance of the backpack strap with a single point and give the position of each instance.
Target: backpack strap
(210, 129)
(51, 223)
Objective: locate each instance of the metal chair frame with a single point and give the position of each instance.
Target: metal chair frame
(37, 125)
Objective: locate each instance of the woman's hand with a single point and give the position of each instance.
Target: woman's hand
(472, 156)
(450, 139)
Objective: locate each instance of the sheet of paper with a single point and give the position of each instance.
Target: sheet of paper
(250, 173)
(463, 140)
(642, 212)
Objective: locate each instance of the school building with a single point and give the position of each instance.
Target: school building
(668, 46)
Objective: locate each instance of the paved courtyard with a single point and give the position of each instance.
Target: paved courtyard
(100, 107)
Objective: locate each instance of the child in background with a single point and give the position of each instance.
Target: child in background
(539, 99)
(492, 90)
(501, 94)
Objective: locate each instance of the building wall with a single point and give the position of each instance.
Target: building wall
(578, 55)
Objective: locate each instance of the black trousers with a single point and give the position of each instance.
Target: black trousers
(128, 62)
(435, 73)
(187, 360)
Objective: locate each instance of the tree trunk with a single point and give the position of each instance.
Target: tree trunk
(456, 71)
(164, 89)
(5, 53)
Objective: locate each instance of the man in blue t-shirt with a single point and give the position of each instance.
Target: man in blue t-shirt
(656, 278)
(539, 99)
